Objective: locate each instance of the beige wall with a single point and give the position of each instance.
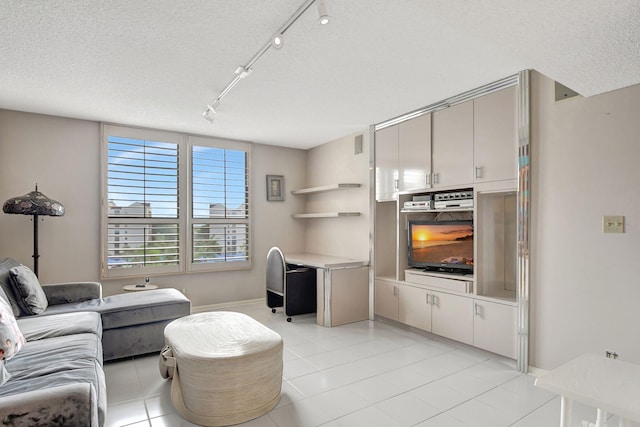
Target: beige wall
(585, 291)
(332, 163)
(63, 157)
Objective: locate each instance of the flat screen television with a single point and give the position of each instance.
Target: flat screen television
(445, 246)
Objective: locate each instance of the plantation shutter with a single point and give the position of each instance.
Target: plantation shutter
(142, 212)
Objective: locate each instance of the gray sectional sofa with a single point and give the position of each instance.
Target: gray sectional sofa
(56, 378)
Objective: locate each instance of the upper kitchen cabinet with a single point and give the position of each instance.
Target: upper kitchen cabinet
(452, 146)
(414, 154)
(386, 146)
(495, 136)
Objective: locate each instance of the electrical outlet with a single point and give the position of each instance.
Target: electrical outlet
(613, 224)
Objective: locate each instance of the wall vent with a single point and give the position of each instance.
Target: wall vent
(357, 146)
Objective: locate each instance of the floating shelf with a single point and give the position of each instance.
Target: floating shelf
(325, 215)
(324, 188)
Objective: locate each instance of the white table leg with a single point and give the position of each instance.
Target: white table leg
(565, 411)
(624, 423)
(601, 418)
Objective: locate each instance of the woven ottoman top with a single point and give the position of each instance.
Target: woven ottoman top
(228, 367)
(219, 335)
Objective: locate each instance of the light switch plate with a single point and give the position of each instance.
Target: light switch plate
(613, 224)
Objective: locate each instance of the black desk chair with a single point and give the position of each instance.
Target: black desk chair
(289, 286)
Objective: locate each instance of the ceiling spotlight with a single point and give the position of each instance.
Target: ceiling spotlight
(323, 15)
(209, 114)
(277, 40)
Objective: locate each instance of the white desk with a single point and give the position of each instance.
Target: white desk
(607, 384)
(342, 287)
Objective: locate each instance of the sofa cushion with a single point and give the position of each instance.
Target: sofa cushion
(11, 339)
(27, 290)
(39, 327)
(133, 308)
(54, 353)
(5, 282)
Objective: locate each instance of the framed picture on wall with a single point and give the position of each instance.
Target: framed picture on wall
(275, 188)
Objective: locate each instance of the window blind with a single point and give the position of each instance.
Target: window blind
(142, 185)
(220, 205)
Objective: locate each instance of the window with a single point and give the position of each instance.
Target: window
(219, 205)
(173, 203)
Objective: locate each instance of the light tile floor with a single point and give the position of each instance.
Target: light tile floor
(364, 374)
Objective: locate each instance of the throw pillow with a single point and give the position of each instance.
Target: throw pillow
(11, 339)
(29, 294)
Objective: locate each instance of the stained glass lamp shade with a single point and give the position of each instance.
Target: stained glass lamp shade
(34, 203)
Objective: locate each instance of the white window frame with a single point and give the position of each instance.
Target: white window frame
(230, 145)
(185, 218)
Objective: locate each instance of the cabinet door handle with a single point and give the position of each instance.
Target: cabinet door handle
(478, 172)
(476, 309)
(427, 179)
(434, 300)
(395, 183)
(436, 178)
(428, 302)
(395, 291)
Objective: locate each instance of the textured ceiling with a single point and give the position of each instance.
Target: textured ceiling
(157, 63)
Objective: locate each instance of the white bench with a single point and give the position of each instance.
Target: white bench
(608, 384)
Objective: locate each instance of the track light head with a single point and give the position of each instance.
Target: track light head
(209, 113)
(277, 40)
(323, 15)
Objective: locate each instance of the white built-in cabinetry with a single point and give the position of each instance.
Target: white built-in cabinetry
(494, 132)
(453, 146)
(472, 146)
(386, 298)
(398, 169)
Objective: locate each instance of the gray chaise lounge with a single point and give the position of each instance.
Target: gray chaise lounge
(57, 377)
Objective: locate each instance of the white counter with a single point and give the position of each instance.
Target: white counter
(323, 261)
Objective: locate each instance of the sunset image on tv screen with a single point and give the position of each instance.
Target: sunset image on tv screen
(442, 243)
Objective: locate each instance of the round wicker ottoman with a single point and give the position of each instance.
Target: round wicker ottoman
(226, 367)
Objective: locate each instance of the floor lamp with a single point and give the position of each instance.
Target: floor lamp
(36, 204)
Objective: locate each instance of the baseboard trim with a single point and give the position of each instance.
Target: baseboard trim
(536, 372)
(214, 307)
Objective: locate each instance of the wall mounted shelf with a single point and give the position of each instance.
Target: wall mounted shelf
(325, 215)
(324, 188)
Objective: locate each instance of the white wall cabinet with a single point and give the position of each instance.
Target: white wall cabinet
(414, 154)
(494, 327)
(403, 157)
(452, 146)
(386, 146)
(386, 299)
(495, 136)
